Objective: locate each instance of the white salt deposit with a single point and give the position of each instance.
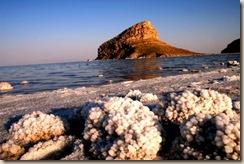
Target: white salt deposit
(36, 126)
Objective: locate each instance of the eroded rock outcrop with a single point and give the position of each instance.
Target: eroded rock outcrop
(140, 40)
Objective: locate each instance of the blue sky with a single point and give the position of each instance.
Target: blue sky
(49, 31)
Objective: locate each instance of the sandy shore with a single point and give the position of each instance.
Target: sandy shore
(14, 106)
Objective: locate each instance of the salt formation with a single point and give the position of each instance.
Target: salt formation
(233, 63)
(182, 150)
(214, 137)
(10, 151)
(134, 94)
(237, 106)
(184, 70)
(223, 70)
(45, 149)
(24, 82)
(197, 125)
(122, 129)
(148, 97)
(182, 105)
(231, 78)
(36, 126)
(77, 152)
(228, 135)
(5, 86)
(142, 97)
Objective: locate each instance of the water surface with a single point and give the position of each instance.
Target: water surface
(42, 77)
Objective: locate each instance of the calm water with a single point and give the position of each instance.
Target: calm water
(76, 74)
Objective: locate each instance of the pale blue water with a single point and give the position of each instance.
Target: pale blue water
(43, 77)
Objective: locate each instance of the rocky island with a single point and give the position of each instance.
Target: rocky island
(233, 47)
(139, 41)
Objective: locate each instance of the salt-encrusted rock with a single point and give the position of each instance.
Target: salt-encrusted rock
(231, 78)
(216, 137)
(237, 105)
(139, 41)
(190, 153)
(233, 63)
(182, 105)
(196, 83)
(88, 106)
(24, 82)
(134, 94)
(5, 86)
(149, 98)
(223, 70)
(122, 129)
(183, 150)
(142, 97)
(190, 128)
(77, 152)
(36, 126)
(48, 148)
(184, 70)
(205, 67)
(228, 135)
(214, 82)
(10, 151)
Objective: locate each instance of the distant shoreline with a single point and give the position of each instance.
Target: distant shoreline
(91, 60)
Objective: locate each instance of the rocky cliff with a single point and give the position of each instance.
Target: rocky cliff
(139, 40)
(233, 47)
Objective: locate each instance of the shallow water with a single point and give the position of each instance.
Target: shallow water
(43, 77)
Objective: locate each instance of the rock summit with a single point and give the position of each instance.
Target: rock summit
(139, 41)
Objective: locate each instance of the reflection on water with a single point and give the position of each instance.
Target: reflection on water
(54, 76)
(144, 69)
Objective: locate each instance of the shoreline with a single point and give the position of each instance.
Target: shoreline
(14, 106)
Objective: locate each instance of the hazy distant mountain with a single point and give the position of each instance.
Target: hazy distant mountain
(139, 40)
(233, 47)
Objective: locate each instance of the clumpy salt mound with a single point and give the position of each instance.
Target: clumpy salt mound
(183, 150)
(77, 151)
(5, 86)
(122, 129)
(190, 128)
(10, 151)
(36, 126)
(231, 78)
(237, 106)
(199, 125)
(45, 149)
(148, 97)
(182, 105)
(142, 97)
(233, 63)
(228, 135)
(134, 94)
(211, 137)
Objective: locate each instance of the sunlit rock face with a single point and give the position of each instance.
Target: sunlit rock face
(139, 41)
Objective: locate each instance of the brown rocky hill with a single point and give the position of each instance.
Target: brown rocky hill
(139, 40)
(233, 47)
